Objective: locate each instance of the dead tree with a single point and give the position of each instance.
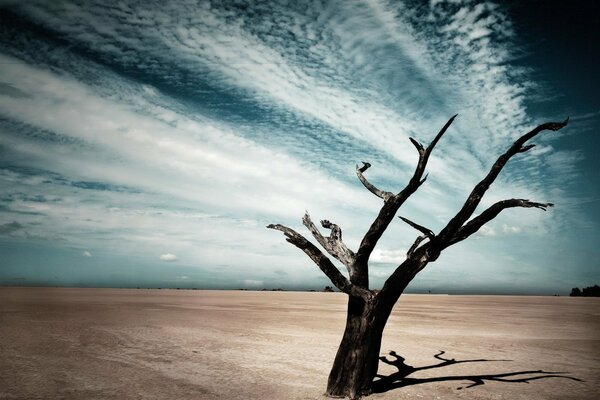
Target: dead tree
(356, 361)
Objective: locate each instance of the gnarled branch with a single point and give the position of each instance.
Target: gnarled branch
(336, 231)
(446, 234)
(416, 244)
(490, 213)
(377, 192)
(324, 263)
(389, 209)
(333, 243)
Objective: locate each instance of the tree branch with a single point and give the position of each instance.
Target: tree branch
(418, 145)
(427, 234)
(333, 243)
(389, 209)
(422, 229)
(414, 246)
(424, 156)
(479, 190)
(336, 232)
(489, 214)
(322, 262)
(377, 192)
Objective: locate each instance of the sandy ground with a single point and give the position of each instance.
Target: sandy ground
(168, 344)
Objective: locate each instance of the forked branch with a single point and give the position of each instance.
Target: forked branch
(414, 246)
(332, 243)
(427, 234)
(390, 208)
(424, 154)
(324, 263)
(451, 229)
(489, 214)
(458, 228)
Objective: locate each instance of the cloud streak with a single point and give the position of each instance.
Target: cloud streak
(190, 127)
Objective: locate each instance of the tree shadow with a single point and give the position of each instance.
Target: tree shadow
(401, 378)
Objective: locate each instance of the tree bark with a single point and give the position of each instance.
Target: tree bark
(357, 359)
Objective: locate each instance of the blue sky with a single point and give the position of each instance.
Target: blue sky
(149, 144)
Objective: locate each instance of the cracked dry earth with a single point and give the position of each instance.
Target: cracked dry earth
(59, 343)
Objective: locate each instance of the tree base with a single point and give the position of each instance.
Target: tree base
(357, 359)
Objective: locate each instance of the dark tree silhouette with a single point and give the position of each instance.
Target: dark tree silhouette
(590, 291)
(356, 362)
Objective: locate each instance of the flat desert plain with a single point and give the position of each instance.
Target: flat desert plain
(58, 343)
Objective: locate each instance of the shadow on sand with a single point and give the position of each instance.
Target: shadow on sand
(401, 378)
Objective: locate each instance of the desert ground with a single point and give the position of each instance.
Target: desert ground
(58, 343)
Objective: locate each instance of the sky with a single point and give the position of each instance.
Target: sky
(148, 144)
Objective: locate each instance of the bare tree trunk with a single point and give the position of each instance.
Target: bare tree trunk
(356, 362)
(355, 365)
(357, 358)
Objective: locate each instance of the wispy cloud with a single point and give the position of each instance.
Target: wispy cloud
(585, 116)
(10, 228)
(190, 127)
